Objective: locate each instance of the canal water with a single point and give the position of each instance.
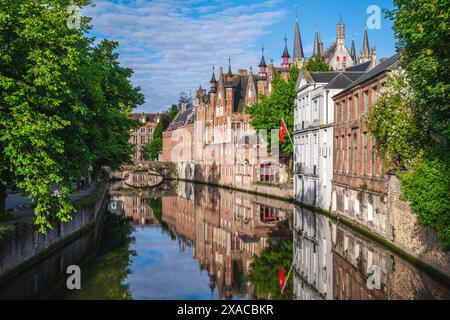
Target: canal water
(189, 241)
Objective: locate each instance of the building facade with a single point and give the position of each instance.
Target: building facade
(141, 136)
(313, 134)
(178, 142)
(359, 181)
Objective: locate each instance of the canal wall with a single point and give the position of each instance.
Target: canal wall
(24, 246)
(410, 235)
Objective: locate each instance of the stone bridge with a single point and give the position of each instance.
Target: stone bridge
(166, 170)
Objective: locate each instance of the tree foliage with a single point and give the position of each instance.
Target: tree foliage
(264, 271)
(411, 120)
(268, 112)
(426, 186)
(316, 65)
(154, 148)
(422, 29)
(400, 129)
(65, 104)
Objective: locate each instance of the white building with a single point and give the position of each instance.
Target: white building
(313, 267)
(313, 134)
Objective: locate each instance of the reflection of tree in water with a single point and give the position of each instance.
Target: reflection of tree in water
(104, 277)
(156, 206)
(264, 271)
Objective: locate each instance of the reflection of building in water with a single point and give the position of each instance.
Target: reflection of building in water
(134, 207)
(335, 263)
(225, 229)
(313, 276)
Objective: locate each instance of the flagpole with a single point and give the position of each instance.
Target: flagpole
(289, 273)
(289, 134)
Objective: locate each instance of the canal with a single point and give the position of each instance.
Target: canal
(188, 241)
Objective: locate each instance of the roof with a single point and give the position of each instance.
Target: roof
(333, 79)
(343, 80)
(149, 117)
(362, 67)
(183, 118)
(323, 77)
(386, 65)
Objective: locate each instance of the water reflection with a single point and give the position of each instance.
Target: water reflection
(334, 262)
(220, 229)
(187, 241)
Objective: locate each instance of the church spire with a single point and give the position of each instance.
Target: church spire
(316, 52)
(298, 54)
(366, 50)
(353, 51)
(340, 41)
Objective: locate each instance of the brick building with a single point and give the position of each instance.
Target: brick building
(359, 182)
(178, 142)
(141, 136)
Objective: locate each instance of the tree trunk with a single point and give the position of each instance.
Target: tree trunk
(2, 198)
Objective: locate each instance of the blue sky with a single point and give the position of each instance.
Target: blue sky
(172, 44)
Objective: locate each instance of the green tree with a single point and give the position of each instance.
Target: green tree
(411, 120)
(264, 271)
(400, 129)
(316, 65)
(154, 148)
(268, 112)
(422, 30)
(64, 104)
(426, 186)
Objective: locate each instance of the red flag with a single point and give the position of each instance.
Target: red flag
(282, 278)
(283, 130)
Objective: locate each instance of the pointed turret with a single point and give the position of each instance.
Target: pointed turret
(316, 51)
(366, 53)
(229, 74)
(262, 65)
(298, 55)
(213, 81)
(285, 55)
(353, 51)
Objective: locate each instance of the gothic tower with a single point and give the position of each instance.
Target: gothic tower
(298, 56)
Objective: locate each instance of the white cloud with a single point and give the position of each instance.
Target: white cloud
(172, 45)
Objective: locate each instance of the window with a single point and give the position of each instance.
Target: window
(342, 110)
(349, 111)
(349, 155)
(374, 94)
(372, 166)
(143, 130)
(268, 214)
(366, 101)
(343, 154)
(336, 153)
(345, 59)
(338, 59)
(356, 107)
(355, 155)
(269, 173)
(365, 153)
(337, 112)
